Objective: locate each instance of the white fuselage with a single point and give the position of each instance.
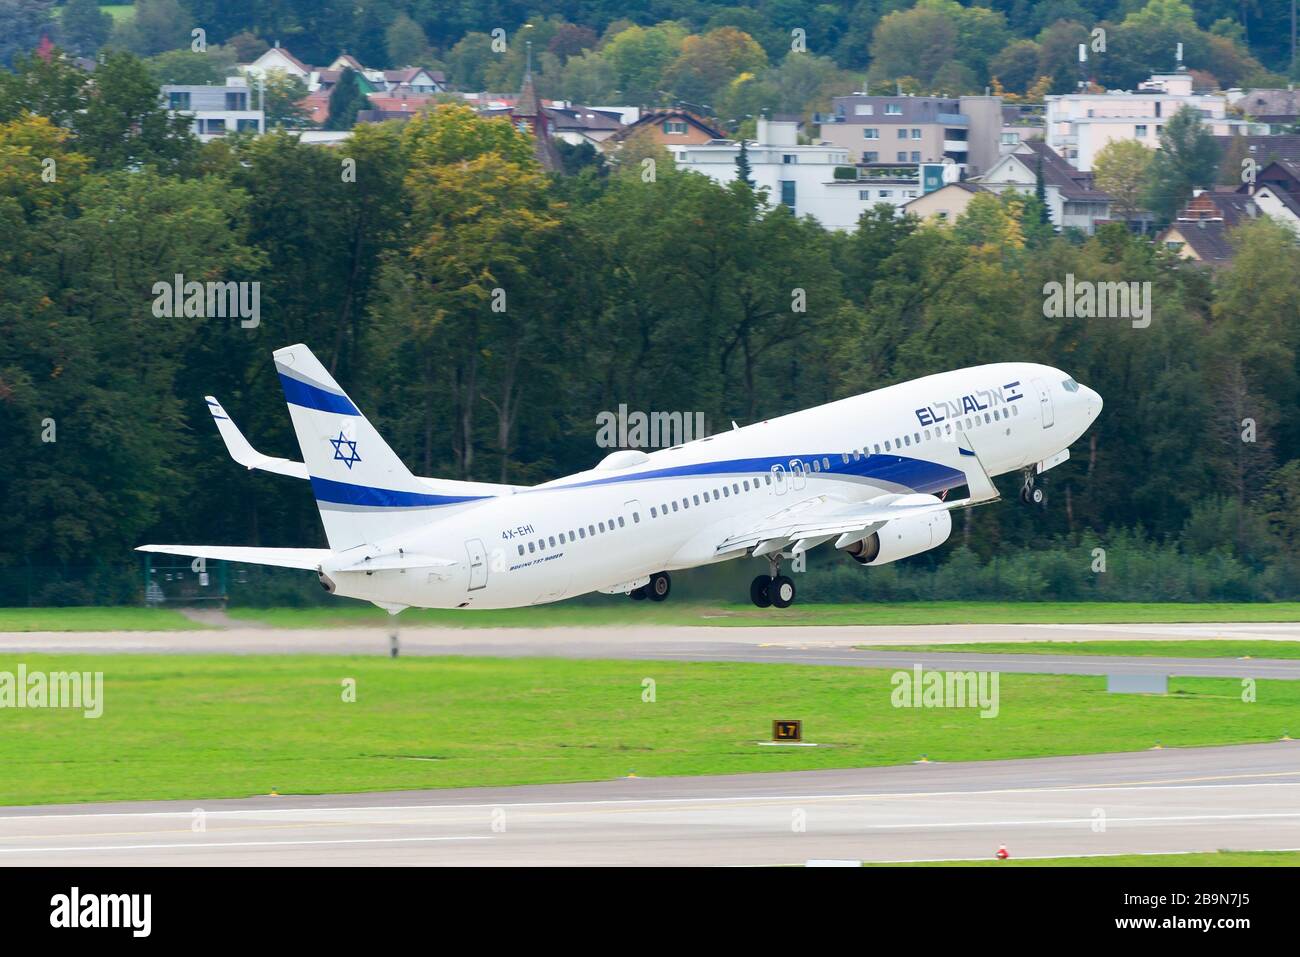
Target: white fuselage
(636, 514)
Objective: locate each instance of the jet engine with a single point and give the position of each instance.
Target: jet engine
(902, 538)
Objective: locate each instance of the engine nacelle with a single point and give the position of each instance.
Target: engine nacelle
(903, 537)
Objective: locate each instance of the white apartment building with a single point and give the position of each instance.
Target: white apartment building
(217, 110)
(1078, 125)
(802, 176)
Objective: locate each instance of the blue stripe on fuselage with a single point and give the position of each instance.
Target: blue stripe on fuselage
(917, 474)
(342, 493)
(297, 392)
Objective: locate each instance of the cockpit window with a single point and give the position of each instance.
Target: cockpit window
(1070, 385)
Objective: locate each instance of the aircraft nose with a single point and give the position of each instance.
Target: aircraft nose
(1093, 400)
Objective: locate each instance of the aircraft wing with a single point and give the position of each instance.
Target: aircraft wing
(308, 558)
(242, 452)
(809, 522)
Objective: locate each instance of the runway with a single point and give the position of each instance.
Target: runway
(843, 646)
(1245, 797)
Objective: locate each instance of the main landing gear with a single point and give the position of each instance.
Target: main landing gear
(772, 589)
(1030, 493)
(656, 589)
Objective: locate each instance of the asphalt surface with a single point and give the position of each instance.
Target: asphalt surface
(809, 645)
(1245, 797)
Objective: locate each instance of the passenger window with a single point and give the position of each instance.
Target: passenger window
(552, 541)
(674, 506)
(817, 466)
(746, 485)
(907, 440)
(561, 538)
(602, 527)
(877, 448)
(521, 549)
(582, 533)
(916, 436)
(636, 518)
(725, 492)
(987, 418)
(735, 488)
(1015, 410)
(886, 445)
(571, 538)
(769, 479)
(621, 523)
(706, 497)
(654, 512)
(663, 509)
(591, 529)
(531, 548)
(686, 503)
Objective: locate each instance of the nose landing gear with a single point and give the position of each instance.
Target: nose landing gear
(1030, 493)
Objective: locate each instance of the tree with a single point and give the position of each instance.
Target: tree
(346, 100)
(281, 94)
(1187, 160)
(85, 27)
(22, 24)
(405, 42)
(186, 66)
(743, 171)
(1121, 169)
(708, 62)
(124, 123)
(155, 27)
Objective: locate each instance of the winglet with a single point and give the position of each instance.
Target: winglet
(242, 452)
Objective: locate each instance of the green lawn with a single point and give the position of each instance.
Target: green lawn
(1209, 859)
(1208, 648)
(94, 619)
(176, 726)
(624, 612)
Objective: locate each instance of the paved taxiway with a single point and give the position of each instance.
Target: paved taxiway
(810, 645)
(1243, 797)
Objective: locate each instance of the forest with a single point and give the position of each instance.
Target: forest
(484, 313)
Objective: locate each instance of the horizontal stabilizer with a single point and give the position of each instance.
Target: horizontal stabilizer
(309, 558)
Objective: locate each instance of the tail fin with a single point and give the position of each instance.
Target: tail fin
(364, 492)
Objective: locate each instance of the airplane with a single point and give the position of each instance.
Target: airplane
(869, 474)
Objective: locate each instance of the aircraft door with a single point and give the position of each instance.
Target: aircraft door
(778, 480)
(478, 569)
(797, 475)
(1045, 410)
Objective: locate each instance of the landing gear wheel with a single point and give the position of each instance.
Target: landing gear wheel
(782, 591)
(1030, 494)
(638, 594)
(660, 585)
(760, 591)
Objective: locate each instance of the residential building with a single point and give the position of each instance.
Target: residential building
(1201, 231)
(801, 176)
(670, 127)
(216, 111)
(1280, 109)
(916, 129)
(279, 59)
(1079, 125)
(946, 204)
(1073, 202)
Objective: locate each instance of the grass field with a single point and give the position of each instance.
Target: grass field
(224, 726)
(94, 619)
(1210, 859)
(1211, 648)
(624, 613)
